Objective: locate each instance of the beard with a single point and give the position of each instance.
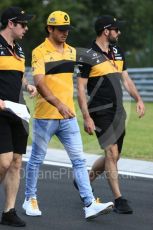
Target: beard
(113, 41)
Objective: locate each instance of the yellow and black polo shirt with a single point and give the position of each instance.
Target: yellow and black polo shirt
(57, 69)
(12, 66)
(103, 71)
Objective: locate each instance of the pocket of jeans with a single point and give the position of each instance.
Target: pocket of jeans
(73, 125)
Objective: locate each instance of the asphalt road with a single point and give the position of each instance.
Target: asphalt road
(62, 208)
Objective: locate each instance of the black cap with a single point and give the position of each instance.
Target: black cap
(15, 14)
(107, 21)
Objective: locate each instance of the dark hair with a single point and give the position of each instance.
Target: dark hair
(3, 26)
(99, 32)
(46, 28)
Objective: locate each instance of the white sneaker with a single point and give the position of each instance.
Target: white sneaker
(96, 209)
(31, 207)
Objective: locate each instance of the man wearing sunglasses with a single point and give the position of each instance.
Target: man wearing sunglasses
(53, 64)
(13, 130)
(101, 69)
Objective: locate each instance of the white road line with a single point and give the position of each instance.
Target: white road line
(132, 174)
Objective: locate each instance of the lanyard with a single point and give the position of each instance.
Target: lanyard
(10, 50)
(113, 57)
(13, 53)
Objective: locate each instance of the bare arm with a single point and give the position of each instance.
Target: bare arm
(131, 88)
(30, 88)
(2, 105)
(46, 93)
(82, 100)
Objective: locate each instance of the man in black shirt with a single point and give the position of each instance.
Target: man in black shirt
(13, 130)
(101, 69)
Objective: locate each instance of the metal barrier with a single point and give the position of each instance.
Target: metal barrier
(142, 77)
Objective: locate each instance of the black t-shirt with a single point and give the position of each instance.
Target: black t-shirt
(12, 67)
(103, 71)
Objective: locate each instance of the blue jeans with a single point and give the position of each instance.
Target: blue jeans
(68, 132)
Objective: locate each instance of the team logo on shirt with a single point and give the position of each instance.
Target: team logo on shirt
(2, 53)
(114, 50)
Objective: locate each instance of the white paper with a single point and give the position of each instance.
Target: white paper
(19, 109)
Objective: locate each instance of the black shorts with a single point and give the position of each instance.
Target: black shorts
(110, 128)
(13, 133)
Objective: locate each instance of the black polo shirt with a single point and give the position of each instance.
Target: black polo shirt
(103, 71)
(12, 67)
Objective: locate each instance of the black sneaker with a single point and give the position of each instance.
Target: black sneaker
(122, 206)
(11, 218)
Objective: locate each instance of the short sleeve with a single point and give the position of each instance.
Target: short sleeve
(84, 62)
(124, 63)
(123, 58)
(38, 65)
(84, 70)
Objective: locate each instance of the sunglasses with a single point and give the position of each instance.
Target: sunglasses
(23, 24)
(115, 29)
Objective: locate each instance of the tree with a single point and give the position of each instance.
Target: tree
(136, 38)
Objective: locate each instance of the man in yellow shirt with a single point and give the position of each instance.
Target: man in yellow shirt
(53, 65)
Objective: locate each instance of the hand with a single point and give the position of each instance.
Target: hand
(140, 108)
(89, 126)
(32, 90)
(65, 111)
(2, 105)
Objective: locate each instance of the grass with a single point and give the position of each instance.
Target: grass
(138, 142)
